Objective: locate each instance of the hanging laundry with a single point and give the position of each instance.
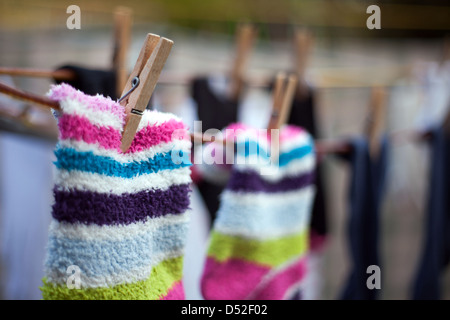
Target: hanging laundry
(214, 108)
(303, 115)
(196, 242)
(25, 200)
(118, 218)
(434, 81)
(436, 251)
(364, 202)
(216, 111)
(25, 173)
(259, 241)
(91, 81)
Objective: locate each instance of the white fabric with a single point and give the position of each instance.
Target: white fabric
(25, 206)
(196, 247)
(435, 83)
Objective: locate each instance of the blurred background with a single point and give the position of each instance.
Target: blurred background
(406, 57)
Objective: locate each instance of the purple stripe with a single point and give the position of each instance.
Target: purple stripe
(108, 209)
(251, 181)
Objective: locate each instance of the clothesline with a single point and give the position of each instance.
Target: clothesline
(322, 79)
(323, 146)
(20, 124)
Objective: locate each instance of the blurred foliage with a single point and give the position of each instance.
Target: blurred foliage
(410, 18)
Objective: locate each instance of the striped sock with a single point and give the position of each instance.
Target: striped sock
(118, 217)
(259, 241)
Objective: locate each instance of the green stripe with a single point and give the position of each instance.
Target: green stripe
(162, 277)
(269, 252)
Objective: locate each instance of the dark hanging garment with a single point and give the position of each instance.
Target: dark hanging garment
(92, 82)
(215, 112)
(302, 115)
(436, 250)
(365, 197)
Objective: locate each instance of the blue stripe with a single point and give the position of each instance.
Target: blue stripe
(248, 148)
(103, 258)
(70, 159)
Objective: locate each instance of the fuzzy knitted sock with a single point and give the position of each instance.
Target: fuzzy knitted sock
(259, 241)
(119, 219)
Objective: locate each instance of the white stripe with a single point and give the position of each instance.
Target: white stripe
(294, 168)
(86, 181)
(93, 232)
(96, 117)
(266, 199)
(81, 146)
(155, 118)
(262, 217)
(267, 235)
(111, 280)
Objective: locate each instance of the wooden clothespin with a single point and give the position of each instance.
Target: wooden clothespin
(122, 36)
(303, 42)
(142, 82)
(277, 95)
(376, 119)
(322, 147)
(245, 37)
(283, 95)
(284, 92)
(137, 91)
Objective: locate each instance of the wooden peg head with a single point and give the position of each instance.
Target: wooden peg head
(376, 119)
(277, 99)
(122, 36)
(245, 38)
(288, 97)
(149, 65)
(303, 42)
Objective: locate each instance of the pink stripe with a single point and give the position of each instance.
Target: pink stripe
(99, 103)
(288, 132)
(176, 292)
(154, 135)
(230, 130)
(277, 287)
(79, 128)
(230, 280)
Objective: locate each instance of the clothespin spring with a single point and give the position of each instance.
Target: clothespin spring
(134, 84)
